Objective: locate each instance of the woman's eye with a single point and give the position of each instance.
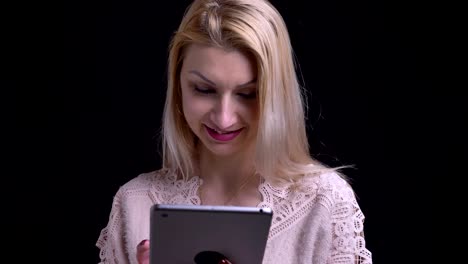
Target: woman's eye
(250, 95)
(204, 90)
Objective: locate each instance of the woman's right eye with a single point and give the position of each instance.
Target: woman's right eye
(204, 90)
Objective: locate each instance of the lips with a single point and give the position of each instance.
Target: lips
(222, 136)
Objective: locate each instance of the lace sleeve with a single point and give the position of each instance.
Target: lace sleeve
(110, 242)
(349, 246)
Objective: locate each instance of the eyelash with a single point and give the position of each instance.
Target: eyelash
(204, 91)
(252, 95)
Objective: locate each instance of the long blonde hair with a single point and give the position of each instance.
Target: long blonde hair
(257, 28)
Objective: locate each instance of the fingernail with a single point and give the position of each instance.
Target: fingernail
(223, 261)
(142, 242)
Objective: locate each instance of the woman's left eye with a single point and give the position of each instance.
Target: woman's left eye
(204, 90)
(250, 95)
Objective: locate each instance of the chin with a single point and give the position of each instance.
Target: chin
(222, 150)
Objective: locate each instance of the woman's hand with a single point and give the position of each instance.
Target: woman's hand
(143, 250)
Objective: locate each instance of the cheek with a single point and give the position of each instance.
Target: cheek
(251, 113)
(193, 108)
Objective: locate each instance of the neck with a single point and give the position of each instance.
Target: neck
(224, 172)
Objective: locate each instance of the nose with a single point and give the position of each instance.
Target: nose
(224, 113)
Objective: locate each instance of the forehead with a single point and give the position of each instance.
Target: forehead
(221, 65)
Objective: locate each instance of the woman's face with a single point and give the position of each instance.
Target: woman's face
(219, 98)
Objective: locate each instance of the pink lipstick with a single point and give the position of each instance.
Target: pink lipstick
(224, 136)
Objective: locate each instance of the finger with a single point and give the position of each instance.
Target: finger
(143, 252)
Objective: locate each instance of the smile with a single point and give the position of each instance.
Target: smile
(223, 135)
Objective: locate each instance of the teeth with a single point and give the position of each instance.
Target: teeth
(221, 132)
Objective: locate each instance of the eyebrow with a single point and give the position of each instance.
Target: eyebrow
(214, 84)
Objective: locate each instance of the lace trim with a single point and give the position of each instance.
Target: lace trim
(288, 206)
(107, 252)
(349, 245)
(169, 190)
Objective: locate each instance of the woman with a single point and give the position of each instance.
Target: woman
(234, 134)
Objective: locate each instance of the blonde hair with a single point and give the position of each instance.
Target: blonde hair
(254, 27)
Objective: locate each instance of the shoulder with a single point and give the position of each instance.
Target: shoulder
(334, 184)
(128, 221)
(315, 198)
(143, 183)
(338, 197)
(161, 186)
(333, 189)
(326, 189)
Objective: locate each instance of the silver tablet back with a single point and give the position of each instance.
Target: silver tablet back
(179, 232)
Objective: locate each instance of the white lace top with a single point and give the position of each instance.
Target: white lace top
(320, 224)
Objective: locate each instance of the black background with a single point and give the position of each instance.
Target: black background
(372, 102)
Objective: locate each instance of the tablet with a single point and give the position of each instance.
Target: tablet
(179, 234)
